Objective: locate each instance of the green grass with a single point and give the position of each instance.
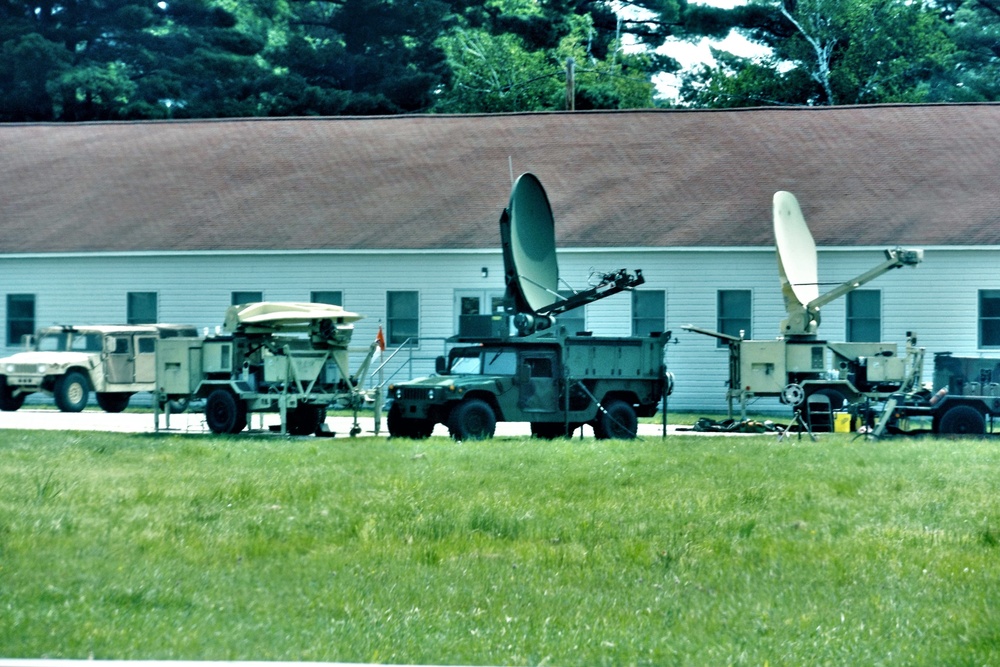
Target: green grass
(687, 551)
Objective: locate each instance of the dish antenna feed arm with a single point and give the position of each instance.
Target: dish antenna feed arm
(798, 274)
(531, 272)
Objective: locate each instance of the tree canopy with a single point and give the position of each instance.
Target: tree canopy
(80, 60)
(825, 52)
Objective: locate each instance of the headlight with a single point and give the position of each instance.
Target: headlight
(430, 394)
(399, 393)
(9, 368)
(42, 368)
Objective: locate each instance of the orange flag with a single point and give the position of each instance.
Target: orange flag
(380, 339)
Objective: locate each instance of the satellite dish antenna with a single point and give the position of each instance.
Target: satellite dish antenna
(530, 247)
(799, 275)
(797, 265)
(531, 271)
(796, 249)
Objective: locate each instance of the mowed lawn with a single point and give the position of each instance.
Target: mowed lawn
(685, 551)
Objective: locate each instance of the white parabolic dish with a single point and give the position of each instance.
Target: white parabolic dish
(796, 248)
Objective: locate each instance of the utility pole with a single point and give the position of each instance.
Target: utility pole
(570, 84)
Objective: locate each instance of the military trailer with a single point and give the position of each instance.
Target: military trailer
(813, 375)
(963, 400)
(69, 362)
(540, 373)
(272, 357)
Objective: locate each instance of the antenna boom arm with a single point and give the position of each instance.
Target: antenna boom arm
(804, 320)
(895, 258)
(611, 283)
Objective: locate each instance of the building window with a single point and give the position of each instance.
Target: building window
(864, 316)
(244, 297)
(20, 317)
(331, 297)
(734, 313)
(141, 308)
(402, 317)
(574, 320)
(648, 312)
(989, 318)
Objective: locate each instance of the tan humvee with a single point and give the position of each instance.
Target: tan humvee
(69, 362)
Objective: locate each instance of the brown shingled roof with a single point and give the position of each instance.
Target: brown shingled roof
(915, 175)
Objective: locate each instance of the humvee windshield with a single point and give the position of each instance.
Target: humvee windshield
(485, 362)
(65, 342)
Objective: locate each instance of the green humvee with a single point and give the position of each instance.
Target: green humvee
(555, 381)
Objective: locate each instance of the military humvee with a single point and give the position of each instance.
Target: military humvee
(553, 379)
(69, 362)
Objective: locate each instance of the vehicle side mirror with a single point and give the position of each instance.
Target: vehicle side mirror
(441, 365)
(524, 374)
(27, 340)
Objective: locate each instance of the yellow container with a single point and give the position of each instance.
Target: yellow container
(841, 422)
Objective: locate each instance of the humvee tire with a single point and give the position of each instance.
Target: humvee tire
(472, 419)
(72, 391)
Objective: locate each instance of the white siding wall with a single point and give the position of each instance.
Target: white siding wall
(937, 299)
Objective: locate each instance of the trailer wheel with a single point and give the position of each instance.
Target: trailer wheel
(962, 420)
(401, 427)
(305, 419)
(837, 398)
(8, 401)
(72, 391)
(472, 419)
(113, 401)
(225, 413)
(617, 421)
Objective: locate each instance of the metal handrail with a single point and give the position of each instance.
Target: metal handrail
(408, 363)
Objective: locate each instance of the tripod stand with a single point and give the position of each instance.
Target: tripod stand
(803, 426)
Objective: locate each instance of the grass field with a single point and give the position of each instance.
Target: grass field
(687, 551)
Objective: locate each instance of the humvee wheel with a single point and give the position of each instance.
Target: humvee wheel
(472, 419)
(618, 421)
(224, 413)
(401, 427)
(72, 391)
(305, 419)
(8, 401)
(963, 420)
(113, 401)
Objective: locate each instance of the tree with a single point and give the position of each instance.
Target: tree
(525, 67)
(974, 27)
(356, 56)
(851, 51)
(119, 59)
